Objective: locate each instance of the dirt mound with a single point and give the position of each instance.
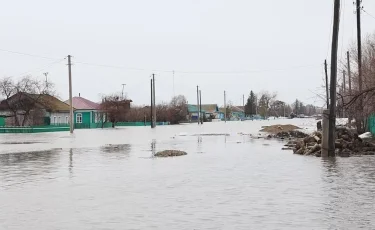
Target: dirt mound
(170, 153)
(275, 129)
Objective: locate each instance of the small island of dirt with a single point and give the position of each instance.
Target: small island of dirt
(170, 153)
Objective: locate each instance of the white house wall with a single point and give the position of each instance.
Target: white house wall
(59, 118)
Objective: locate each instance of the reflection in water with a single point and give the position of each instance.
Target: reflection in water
(348, 190)
(330, 164)
(91, 185)
(199, 145)
(21, 142)
(18, 168)
(70, 161)
(117, 151)
(38, 157)
(211, 134)
(123, 148)
(153, 147)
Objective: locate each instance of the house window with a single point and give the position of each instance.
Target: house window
(79, 118)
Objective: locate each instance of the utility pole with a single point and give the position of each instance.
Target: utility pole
(198, 111)
(154, 98)
(332, 114)
(343, 92)
(343, 81)
(327, 87)
(123, 85)
(349, 74)
(152, 105)
(70, 95)
(46, 74)
(359, 43)
(225, 107)
(350, 86)
(173, 84)
(200, 106)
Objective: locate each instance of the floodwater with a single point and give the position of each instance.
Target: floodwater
(108, 179)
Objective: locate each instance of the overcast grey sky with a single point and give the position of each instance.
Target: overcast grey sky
(235, 45)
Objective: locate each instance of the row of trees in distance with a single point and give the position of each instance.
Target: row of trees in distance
(266, 104)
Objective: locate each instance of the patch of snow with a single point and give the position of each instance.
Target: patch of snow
(366, 135)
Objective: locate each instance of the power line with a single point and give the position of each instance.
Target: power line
(119, 67)
(196, 72)
(368, 13)
(42, 68)
(245, 72)
(162, 71)
(26, 54)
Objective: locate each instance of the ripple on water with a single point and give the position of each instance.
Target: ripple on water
(109, 180)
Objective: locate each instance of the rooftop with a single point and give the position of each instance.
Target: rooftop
(45, 101)
(83, 103)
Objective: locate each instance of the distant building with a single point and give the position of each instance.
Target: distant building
(236, 113)
(33, 110)
(208, 111)
(193, 112)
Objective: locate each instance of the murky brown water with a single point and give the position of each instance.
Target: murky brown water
(107, 179)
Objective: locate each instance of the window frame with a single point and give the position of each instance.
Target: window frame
(79, 115)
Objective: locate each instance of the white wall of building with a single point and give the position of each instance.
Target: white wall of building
(59, 118)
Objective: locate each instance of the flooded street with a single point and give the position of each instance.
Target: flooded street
(108, 179)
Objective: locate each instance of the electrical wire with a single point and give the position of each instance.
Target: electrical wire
(158, 70)
(121, 67)
(196, 72)
(30, 55)
(42, 68)
(368, 13)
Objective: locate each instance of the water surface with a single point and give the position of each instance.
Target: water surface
(108, 179)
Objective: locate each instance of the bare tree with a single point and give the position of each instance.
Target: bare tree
(177, 109)
(115, 107)
(360, 105)
(265, 99)
(174, 112)
(277, 108)
(22, 98)
(138, 113)
(229, 110)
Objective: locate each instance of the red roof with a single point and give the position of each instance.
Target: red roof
(83, 103)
